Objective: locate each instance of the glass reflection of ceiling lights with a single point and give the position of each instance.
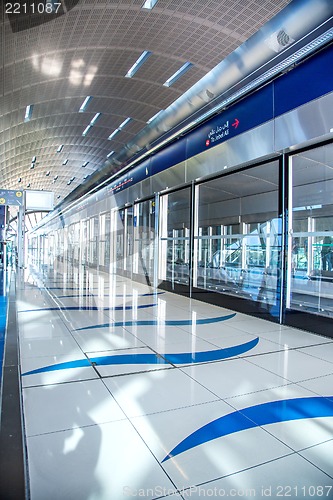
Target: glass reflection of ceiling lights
(81, 74)
(49, 66)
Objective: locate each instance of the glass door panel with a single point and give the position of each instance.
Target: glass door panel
(237, 235)
(174, 263)
(144, 236)
(310, 232)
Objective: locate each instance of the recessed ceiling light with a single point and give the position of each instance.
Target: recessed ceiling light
(33, 159)
(86, 130)
(149, 4)
(125, 122)
(65, 161)
(60, 148)
(85, 103)
(19, 179)
(47, 173)
(138, 63)
(155, 116)
(85, 163)
(170, 81)
(28, 185)
(93, 121)
(28, 113)
(32, 166)
(111, 136)
(110, 154)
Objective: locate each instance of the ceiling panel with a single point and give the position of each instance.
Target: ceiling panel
(53, 64)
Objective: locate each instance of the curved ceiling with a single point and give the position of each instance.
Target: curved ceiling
(53, 61)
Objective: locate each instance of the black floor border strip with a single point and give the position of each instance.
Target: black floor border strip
(13, 472)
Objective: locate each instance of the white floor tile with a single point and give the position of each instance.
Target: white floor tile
(324, 352)
(86, 403)
(154, 392)
(49, 347)
(321, 456)
(289, 476)
(290, 337)
(320, 385)
(233, 377)
(105, 340)
(293, 365)
(107, 461)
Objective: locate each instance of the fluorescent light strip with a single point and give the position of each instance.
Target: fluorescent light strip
(85, 163)
(125, 122)
(149, 4)
(110, 154)
(138, 63)
(86, 130)
(155, 116)
(111, 136)
(33, 159)
(85, 103)
(93, 121)
(28, 113)
(65, 161)
(170, 81)
(60, 148)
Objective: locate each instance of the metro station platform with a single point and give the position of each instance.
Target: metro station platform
(131, 392)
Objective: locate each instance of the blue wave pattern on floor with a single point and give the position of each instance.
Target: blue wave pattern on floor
(255, 416)
(157, 322)
(152, 359)
(88, 308)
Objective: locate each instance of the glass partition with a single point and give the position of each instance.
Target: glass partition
(93, 233)
(144, 240)
(104, 239)
(237, 235)
(120, 241)
(310, 232)
(128, 238)
(174, 252)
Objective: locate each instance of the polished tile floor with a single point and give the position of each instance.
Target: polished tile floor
(134, 393)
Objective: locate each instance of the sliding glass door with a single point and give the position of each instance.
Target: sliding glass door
(310, 232)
